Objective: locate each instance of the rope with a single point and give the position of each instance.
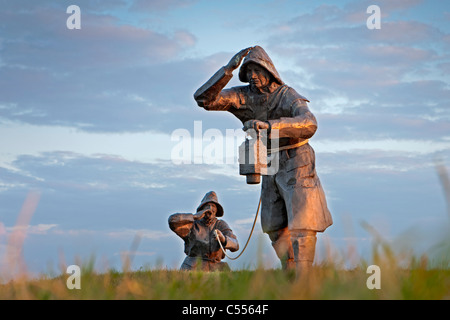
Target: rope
(249, 236)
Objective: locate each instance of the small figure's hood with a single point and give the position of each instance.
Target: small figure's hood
(259, 56)
(211, 197)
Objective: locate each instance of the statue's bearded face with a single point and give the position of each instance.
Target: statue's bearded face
(257, 76)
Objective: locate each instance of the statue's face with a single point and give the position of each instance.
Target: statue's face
(258, 76)
(211, 210)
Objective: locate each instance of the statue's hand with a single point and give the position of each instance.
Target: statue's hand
(237, 59)
(256, 125)
(200, 214)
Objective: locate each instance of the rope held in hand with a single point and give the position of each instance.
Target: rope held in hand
(249, 236)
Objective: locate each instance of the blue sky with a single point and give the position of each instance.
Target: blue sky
(86, 119)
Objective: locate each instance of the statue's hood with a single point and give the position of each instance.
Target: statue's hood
(259, 56)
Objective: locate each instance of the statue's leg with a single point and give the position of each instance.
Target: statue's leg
(274, 221)
(304, 248)
(189, 263)
(281, 242)
(220, 266)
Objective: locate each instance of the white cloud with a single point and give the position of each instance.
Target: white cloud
(136, 253)
(244, 221)
(139, 233)
(55, 229)
(160, 5)
(39, 229)
(409, 146)
(33, 140)
(74, 232)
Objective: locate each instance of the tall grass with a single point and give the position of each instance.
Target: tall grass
(323, 282)
(417, 279)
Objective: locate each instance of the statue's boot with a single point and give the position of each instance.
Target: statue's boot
(281, 242)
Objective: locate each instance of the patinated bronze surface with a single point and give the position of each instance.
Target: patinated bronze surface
(197, 230)
(294, 207)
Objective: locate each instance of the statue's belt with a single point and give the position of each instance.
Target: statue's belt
(291, 146)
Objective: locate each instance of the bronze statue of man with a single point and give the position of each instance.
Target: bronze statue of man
(198, 232)
(294, 207)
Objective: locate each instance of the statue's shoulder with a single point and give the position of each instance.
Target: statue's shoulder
(291, 94)
(221, 224)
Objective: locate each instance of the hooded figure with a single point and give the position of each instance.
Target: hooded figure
(198, 232)
(211, 197)
(294, 207)
(259, 56)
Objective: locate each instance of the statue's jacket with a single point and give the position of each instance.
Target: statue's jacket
(199, 238)
(295, 188)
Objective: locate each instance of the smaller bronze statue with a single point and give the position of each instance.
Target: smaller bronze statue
(198, 232)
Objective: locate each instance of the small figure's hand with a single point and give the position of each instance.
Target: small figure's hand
(256, 125)
(220, 236)
(237, 59)
(200, 214)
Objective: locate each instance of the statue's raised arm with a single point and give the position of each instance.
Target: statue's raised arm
(209, 93)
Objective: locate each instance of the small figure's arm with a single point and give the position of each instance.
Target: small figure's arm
(181, 223)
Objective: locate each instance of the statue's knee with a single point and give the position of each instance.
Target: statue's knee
(303, 244)
(279, 235)
(281, 242)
